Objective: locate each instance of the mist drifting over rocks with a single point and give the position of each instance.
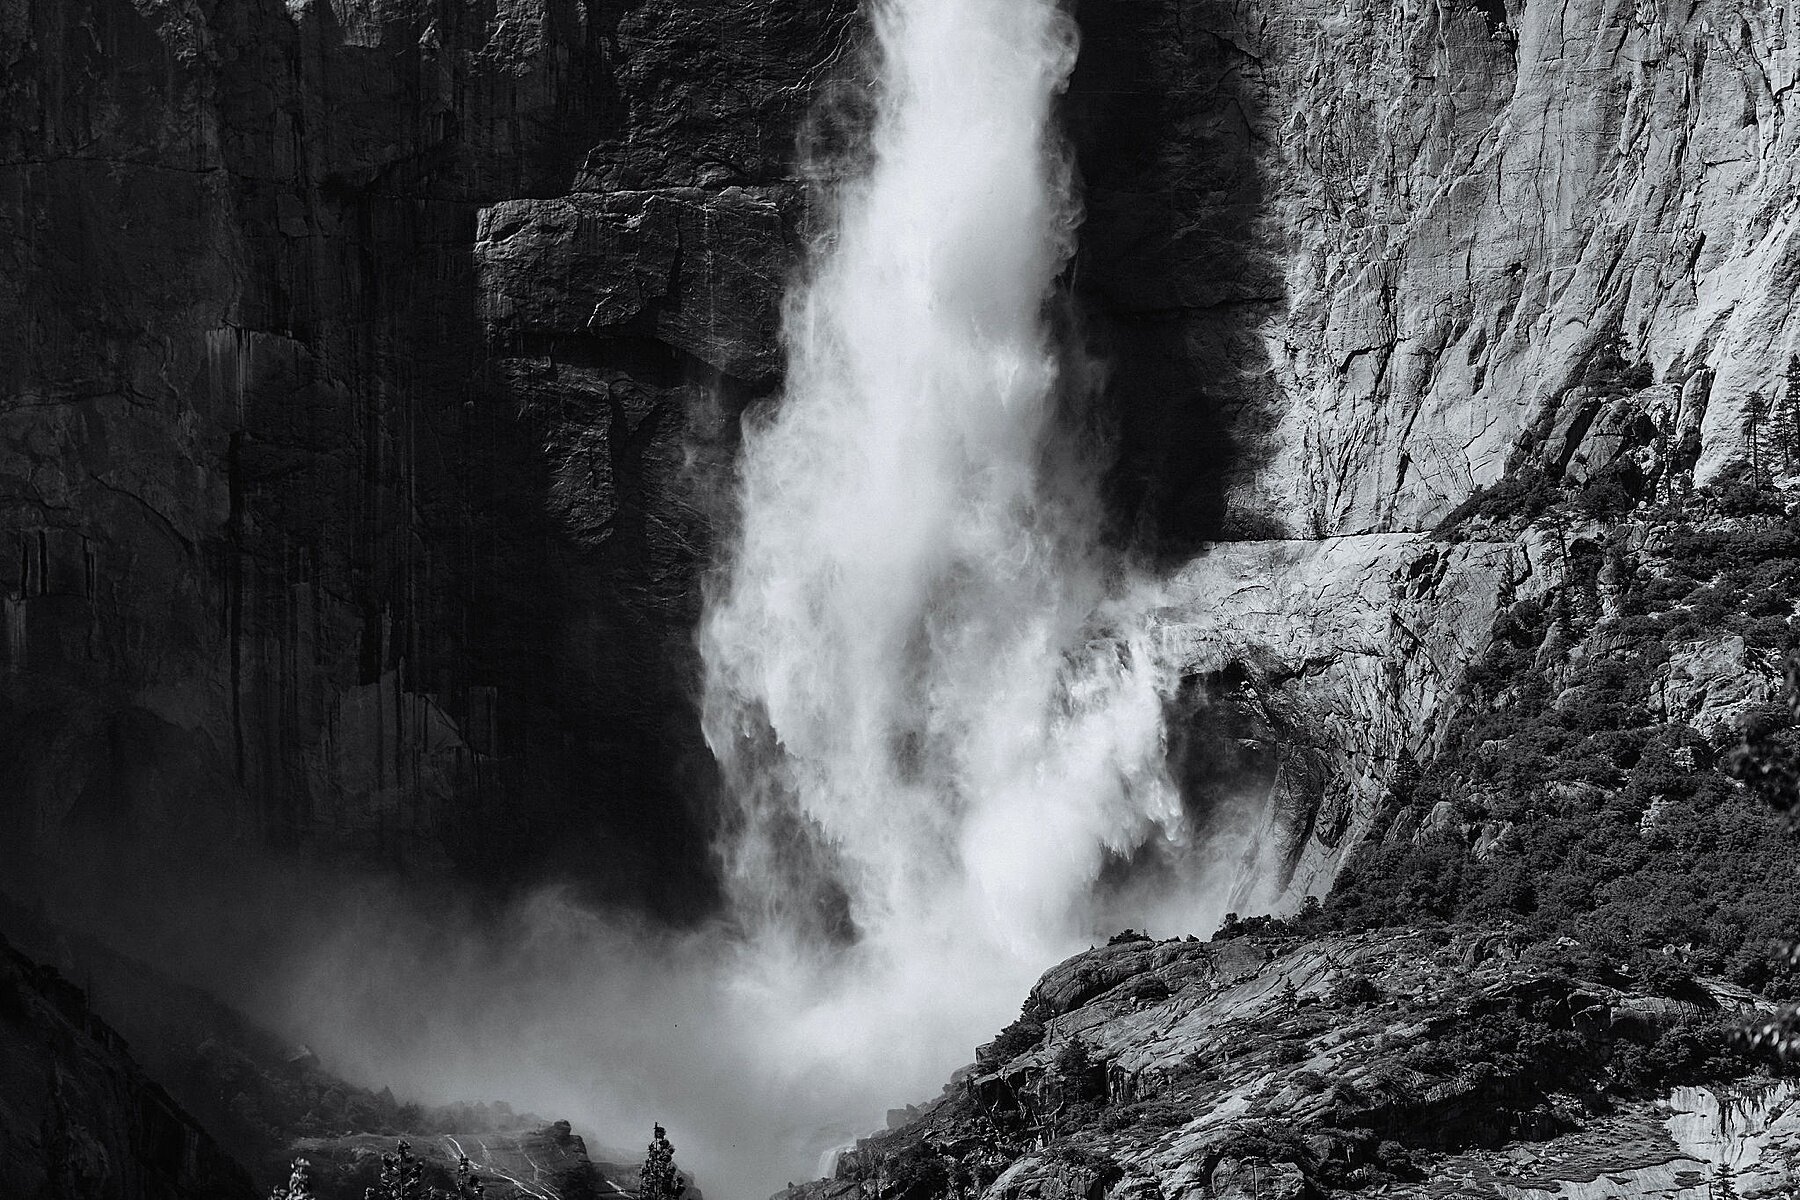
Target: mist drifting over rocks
(934, 693)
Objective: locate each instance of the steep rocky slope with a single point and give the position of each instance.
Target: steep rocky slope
(1405, 1063)
(524, 1163)
(1431, 217)
(265, 1100)
(1559, 655)
(1462, 247)
(262, 1100)
(77, 1115)
(1336, 658)
(368, 368)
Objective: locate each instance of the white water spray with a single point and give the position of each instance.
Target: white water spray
(934, 696)
(931, 704)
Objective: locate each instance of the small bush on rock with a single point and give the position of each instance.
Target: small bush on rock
(1355, 990)
(1023, 1035)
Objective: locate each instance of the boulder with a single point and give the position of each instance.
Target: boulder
(1709, 684)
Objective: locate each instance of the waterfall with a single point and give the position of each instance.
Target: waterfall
(928, 686)
(933, 693)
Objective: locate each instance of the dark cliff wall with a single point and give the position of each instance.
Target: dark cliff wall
(353, 472)
(77, 1116)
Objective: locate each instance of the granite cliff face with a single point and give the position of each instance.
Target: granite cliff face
(370, 369)
(363, 381)
(1357, 263)
(1429, 220)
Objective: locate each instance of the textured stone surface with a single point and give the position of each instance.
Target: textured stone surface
(1372, 245)
(1351, 263)
(1214, 1054)
(369, 368)
(78, 1117)
(1348, 264)
(366, 370)
(1710, 684)
(1350, 650)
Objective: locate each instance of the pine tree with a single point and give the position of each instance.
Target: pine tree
(1790, 442)
(299, 1184)
(1607, 367)
(1404, 779)
(660, 1180)
(1755, 409)
(402, 1177)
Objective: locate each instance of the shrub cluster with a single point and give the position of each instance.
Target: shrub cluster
(1024, 1034)
(1621, 829)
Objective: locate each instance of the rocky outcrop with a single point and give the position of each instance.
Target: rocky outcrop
(1425, 1063)
(1352, 265)
(1711, 684)
(77, 1115)
(266, 1101)
(524, 1163)
(1349, 652)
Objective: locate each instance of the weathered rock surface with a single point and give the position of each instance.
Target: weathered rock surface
(1350, 661)
(1397, 1062)
(1349, 651)
(367, 364)
(367, 368)
(1393, 235)
(77, 1115)
(1711, 684)
(1351, 264)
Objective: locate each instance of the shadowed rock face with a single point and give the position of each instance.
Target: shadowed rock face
(369, 370)
(1378, 243)
(79, 1117)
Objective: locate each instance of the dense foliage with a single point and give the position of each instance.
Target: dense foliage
(1596, 815)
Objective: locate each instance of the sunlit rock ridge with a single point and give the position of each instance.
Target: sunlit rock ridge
(1400, 1063)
